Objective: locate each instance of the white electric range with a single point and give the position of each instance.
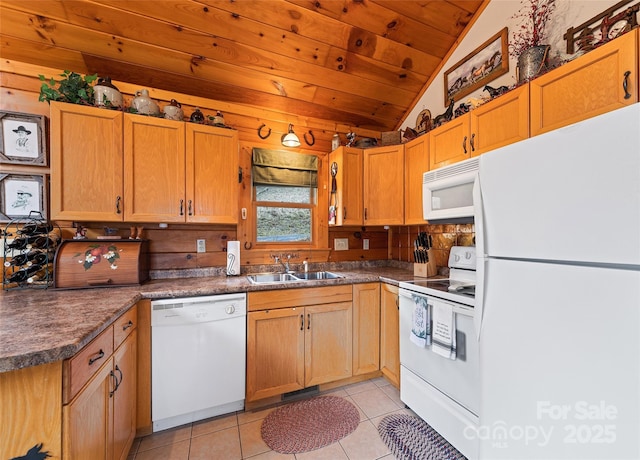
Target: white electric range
(439, 379)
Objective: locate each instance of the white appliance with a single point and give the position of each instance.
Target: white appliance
(447, 192)
(558, 295)
(198, 350)
(443, 390)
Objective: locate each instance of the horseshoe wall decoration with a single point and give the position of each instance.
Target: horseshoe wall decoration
(260, 132)
(313, 139)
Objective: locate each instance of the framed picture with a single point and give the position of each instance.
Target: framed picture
(485, 63)
(21, 194)
(23, 139)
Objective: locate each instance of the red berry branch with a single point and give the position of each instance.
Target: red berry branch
(533, 17)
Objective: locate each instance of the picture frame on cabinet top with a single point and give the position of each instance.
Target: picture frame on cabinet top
(23, 139)
(484, 64)
(22, 194)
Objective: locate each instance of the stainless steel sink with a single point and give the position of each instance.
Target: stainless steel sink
(271, 278)
(321, 275)
(266, 278)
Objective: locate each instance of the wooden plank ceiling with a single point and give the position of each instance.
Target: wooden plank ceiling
(357, 62)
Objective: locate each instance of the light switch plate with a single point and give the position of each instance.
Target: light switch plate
(341, 244)
(201, 246)
(365, 243)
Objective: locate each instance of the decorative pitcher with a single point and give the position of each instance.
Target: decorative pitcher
(173, 111)
(144, 104)
(106, 94)
(531, 62)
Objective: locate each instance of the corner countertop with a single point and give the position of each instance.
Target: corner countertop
(39, 326)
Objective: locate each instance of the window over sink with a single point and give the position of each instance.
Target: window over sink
(285, 187)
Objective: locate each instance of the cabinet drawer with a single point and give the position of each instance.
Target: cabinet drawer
(124, 326)
(78, 370)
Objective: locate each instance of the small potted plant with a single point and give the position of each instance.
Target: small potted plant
(528, 38)
(73, 88)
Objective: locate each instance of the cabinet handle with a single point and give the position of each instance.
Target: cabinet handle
(190, 211)
(127, 326)
(365, 213)
(471, 142)
(301, 322)
(344, 212)
(397, 303)
(464, 144)
(308, 321)
(115, 385)
(625, 84)
(182, 207)
(118, 198)
(121, 378)
(97, 356)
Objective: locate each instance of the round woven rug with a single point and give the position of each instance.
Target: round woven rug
(411, 438)
(310, 424)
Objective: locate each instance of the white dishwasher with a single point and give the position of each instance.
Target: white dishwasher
(198, 354)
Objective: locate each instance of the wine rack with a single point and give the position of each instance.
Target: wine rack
(29, 248)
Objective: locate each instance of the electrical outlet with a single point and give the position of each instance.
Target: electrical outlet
(365, 243)
(341, 244)
(201, 246)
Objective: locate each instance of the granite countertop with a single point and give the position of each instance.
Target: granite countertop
(39, 326)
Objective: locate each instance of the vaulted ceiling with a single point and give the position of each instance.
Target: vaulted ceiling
(358, 62)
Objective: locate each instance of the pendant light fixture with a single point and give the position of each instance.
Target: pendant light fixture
(290, 139)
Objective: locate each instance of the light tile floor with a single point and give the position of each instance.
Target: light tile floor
(237, 436)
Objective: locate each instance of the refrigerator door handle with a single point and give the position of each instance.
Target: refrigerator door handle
(478, 216)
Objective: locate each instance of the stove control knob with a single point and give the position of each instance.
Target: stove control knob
(467, 255)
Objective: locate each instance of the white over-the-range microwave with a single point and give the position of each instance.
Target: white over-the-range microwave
(447, 192)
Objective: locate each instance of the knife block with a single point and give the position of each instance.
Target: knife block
(428, 269)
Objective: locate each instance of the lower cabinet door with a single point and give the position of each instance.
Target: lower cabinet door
(389, 334)
(124, 397)
(87, 424)
(328, 342)
(275, 352)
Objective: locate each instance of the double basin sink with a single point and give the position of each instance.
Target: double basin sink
(264, 278)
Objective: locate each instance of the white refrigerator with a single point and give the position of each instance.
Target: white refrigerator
(558, 298)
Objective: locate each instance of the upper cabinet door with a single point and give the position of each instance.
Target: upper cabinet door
(416, 160)
(347, 197)
(154, 165)
(212, 162)
(384, 185)
(588, 86)
(86, 163)
(500, 122)
(449, 143)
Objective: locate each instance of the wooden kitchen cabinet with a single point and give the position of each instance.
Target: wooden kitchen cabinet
(389, 333)
(179, 172)
(501, 121)
(86, 163)
(154, 165)
(99, 420)
(212, 164)
(347, 198)
(384, 185)
(587, 86)
(416, 163)
(366, 328)
(297, 338)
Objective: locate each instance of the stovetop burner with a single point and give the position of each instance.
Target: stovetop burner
(461, 283)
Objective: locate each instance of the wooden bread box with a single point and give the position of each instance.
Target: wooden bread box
(101, 263)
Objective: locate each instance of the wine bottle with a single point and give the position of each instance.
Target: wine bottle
(23, 274)
(22, 242)
(21, 259)
(42, 242)
(38, 228)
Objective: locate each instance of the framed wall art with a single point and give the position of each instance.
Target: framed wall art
(20, 194)
(23, 139)
(482, 65)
